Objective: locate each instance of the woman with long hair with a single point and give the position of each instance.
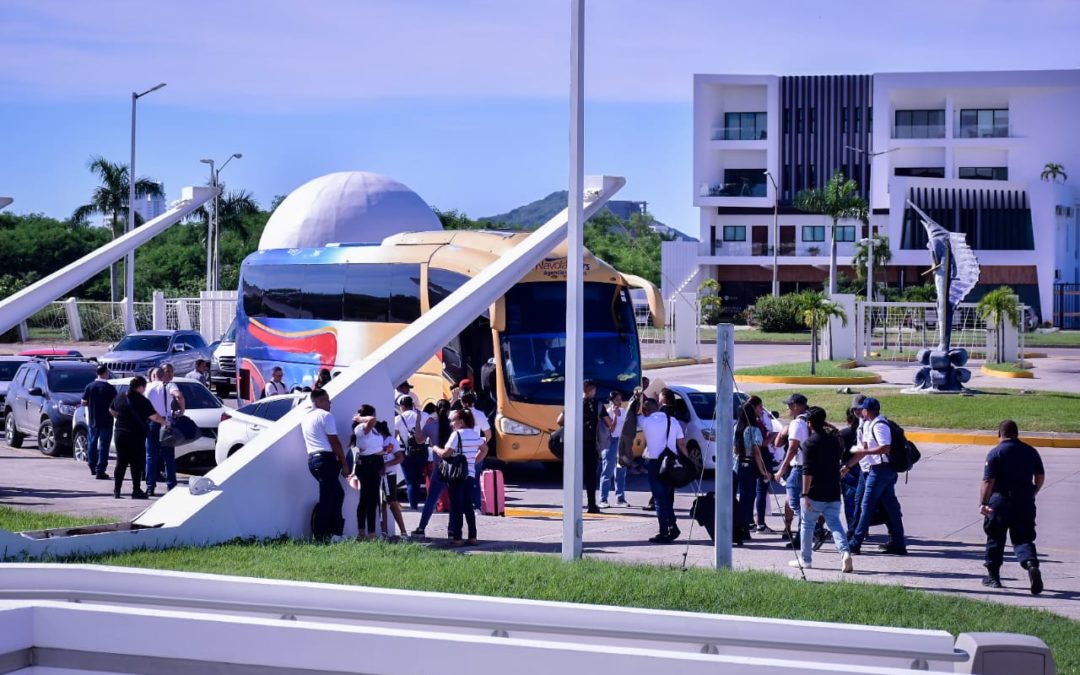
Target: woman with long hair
(763, 483)
(435, 485)
(463, 440)
(368, 447)
(748, 467)
(393, 476)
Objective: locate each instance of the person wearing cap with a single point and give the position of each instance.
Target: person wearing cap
(1012, 476)
(595, 432)
(409, 429)
(276, 386)
(795, 435)
(820, 490)
(406, 389)
(482, 427)
(465, 386)
(872, 453)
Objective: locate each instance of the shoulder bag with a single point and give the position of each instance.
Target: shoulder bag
(675, 470)
(455, 468)
(414, 449)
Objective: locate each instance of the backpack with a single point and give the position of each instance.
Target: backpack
(903, 454)
(413, 447)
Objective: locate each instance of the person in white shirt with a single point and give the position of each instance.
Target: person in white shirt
(481, 426)
(393, 476)
(662, 432)
(406, 389)
(795, 435)
(409, 428)
(166, 398)
(326, 462)
(610, 471)
(466, 441)
(872, 453)
(276, 385)
(368, 448)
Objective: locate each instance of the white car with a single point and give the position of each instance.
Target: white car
(241, 425)
(204, 409)
(695, 407)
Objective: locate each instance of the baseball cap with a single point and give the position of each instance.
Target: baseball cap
(795, 399)
(869, 403)
(466, 383)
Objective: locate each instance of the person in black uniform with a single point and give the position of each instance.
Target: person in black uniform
(1012, 476)
(133, 413)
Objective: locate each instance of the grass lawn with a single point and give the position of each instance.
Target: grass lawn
(755, 335)
(18, 520)
(1039, 411)
(1009, 367)
(1061, 338)
(824, 369)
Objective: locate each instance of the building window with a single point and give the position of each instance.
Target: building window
(747, 126)
(787, 121)
(843, 120)
(845, 233)
(734, 233)
(920, 171)
(984, 172)
(813, 233)
(984, 123)
(743, 183)
(919, 124)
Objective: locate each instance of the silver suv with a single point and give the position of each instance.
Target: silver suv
(139, 352)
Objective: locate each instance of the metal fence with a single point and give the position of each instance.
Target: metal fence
(896, 332)
(1067, 306)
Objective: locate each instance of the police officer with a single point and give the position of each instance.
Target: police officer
(1013, 475)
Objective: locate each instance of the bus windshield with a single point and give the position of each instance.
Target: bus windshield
(534, 342)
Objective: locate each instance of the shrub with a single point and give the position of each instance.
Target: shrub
(779, 315)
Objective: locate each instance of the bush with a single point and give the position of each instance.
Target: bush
(779, 315)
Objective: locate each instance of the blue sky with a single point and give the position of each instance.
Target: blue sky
(464, 101)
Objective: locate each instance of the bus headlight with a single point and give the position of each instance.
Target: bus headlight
(509, 426)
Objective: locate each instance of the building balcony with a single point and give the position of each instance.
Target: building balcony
(737, 189)
(909, 131)
(983, 131)
(800, 252)
(738, 134)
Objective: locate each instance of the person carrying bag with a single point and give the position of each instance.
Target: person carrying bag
(457, 468)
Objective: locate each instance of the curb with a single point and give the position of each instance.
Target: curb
(1025, 374)
(672, 363)
(780, 379)
(946, 437)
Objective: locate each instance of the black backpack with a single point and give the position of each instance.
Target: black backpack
(903, 454)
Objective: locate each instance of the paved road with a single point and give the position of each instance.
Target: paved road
(939, 513)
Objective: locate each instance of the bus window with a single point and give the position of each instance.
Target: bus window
(322, 294)
(367, 292)
(441, 283)
(405, 298)
(281, 298)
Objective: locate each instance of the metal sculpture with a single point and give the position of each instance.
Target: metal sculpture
(956, 271)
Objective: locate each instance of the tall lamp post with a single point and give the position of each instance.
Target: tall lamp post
(775, 236)
(869, 244)
(210, 229)
(217, 220)
(129, 268)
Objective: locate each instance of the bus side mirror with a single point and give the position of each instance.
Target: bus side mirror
(498, 314)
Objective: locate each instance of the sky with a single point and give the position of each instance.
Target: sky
(464, 101)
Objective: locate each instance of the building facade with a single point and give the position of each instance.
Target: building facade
(970, 149)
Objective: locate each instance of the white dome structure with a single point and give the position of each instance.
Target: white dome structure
(346, 207)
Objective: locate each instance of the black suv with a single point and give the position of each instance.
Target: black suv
(41, 401)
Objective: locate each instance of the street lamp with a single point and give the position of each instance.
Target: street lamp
(775, 236)
(217, 221)
(210, 230)
(129, 271)
(869, 244)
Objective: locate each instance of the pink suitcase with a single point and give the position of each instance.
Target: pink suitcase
(492, 493)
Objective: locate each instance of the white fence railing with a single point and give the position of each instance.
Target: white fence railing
(896, 331)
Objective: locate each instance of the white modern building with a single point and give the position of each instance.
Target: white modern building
(968, 148)
(148, 207)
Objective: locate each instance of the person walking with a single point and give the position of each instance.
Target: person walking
(327, 463)
(464, 440)
(764, 482)
(1012, 477)
(201, 373)
(875, 439)
(276, 386)
(409, 428)
(850, 483)
(661, 433)
(438, 433)
(368, 448)
(132, 414)
(97, 397)
(749, 466)
(611, 471)
(795, 435)
(167, 400)
(820, 490)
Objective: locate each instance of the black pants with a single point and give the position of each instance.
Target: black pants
(591, 466)
(327, 519)
(370, 474)
(461, 507)
(1016, 518)
(130, 452)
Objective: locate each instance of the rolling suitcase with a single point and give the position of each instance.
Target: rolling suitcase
(492, 493)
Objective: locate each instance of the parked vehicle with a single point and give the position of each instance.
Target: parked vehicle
(205, 409)
(240, 426)
(695, 407)
(139, 352)
(52, 353)
(41, 402)
(223, 364)
(9, 365)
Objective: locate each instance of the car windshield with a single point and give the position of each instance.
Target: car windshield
(70, 380)
(8, 370)
(143, 343)
(534, 342)
(230, 334)
(196, 396)
(704, 403)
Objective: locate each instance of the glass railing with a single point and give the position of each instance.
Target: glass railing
(735, 190)
(983, 131)
(739, 134)
(919, 131)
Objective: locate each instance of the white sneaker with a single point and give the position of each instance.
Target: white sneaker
(845, 563)
(796, 563)
(604, 505)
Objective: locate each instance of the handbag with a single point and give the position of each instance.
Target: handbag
(455, 468)
(180, 430)
(675, 470)
(414, 449)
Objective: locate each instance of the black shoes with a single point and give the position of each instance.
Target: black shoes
(1035, 577)
(991, 581)
(795, 543)
(666, 537)
(116, 494)
(149, 492)
(893, 549)
(102, 476)
(418, 532)
(593, 508)
(141, 495)
(651, 506)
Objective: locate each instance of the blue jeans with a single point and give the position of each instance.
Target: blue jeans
(460, 505)
(746, 479)
(850, 486)
(98, 438)
(326, 469)
(794, 490)
(831, 512)
(414, 477)
(663, 496)
(157, 455)
(435, 489)
(611, 472)
(879, 486)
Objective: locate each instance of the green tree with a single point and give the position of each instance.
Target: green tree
(1052, 171)
(997, 306)
(110, 199)
(712, 303)
(882, 257)
(839, 200)
(817, 310)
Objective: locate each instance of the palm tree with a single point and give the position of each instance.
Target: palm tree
(110, 199)
(1051, 172)
(817, 310)
(712, 303)
(839, 200)
(882, 257)
(997, 306)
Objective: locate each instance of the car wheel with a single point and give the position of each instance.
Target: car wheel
(47, 439)
(13, 437)
(694, 451)
(78, 445)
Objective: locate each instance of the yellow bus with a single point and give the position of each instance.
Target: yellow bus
(329, 307)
